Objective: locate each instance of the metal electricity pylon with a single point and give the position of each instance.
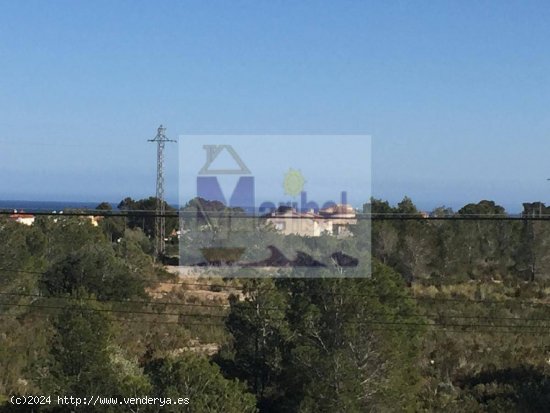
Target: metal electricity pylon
(160, 225)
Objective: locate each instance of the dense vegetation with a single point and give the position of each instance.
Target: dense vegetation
(451, 317)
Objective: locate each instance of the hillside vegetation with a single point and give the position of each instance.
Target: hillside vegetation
(451, 315)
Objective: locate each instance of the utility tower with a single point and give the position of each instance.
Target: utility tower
(160, 225)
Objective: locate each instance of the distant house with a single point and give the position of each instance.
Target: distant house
(333, 221)
(28, 219)
(22, 218)
(341, 217)
(94, 220)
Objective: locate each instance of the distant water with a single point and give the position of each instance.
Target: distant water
(49, 205)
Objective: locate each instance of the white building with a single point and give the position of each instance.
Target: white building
(333, 221)
(22, 218)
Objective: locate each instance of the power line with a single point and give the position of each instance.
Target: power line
(43, 315)
(101, 310)
(335, 294)
(439, 329)
(396, 325)
(144, 302)
(71, 212)
(545, 327)
(227, 306)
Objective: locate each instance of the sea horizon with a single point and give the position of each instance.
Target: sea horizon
(23, 205)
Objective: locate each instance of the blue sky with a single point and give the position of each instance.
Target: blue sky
(455, 94)
(327, 165)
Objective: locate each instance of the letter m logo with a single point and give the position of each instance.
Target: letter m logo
(209, 188)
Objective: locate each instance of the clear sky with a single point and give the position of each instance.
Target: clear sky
(455, 94)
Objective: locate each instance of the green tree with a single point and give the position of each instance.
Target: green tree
(193, 376)
(323, 344)
(104, 206)
(484, 207)
(112, 226)
(80, 362)
(139, 218)
(63, 234)
(260, 333)
(378, 206)
(347, 357)
(532, 259)
(406, 206)
(98, 270)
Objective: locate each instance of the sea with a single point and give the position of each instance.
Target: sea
(47, 206)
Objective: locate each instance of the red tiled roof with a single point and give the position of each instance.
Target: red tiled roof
(16, 216)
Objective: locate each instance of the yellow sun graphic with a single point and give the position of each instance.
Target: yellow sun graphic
(294, 182)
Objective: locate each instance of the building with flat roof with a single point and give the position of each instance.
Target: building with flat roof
(334, 220)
